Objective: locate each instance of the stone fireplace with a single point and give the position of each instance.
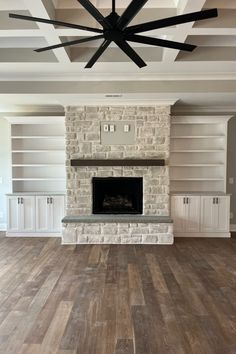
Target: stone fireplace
(117, 204)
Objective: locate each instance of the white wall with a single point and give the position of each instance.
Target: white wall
(5, 168)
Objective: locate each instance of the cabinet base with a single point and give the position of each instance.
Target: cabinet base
(203, 234)
(33, 234)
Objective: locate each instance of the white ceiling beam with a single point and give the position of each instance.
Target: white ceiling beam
(11, 5)
(184, 6)
(121, 4)
(37, 8)
(171, 31)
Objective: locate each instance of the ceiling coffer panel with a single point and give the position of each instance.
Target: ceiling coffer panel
(116, 28)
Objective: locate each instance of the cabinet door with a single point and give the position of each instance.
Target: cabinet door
(223, 214)
(42, 214)
(13, 214)
(178, 213)
(215, 214)
(27, 214)
(57, 212)
(208, 214)
(192, 214)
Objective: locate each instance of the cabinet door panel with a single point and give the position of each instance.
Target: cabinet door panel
(193, 214)
(208, 219)
(178, 213)
(57, 213)
(27, 214)
(13, 214)
(223, 214)
(42, 214)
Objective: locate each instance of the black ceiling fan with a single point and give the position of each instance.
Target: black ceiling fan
(115, 29)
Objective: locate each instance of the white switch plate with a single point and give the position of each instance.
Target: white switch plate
(231, 215)
(231, 180)
(0, 180)
(106, 128)
(1, 214)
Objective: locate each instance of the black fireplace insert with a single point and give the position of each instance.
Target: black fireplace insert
(117, 195)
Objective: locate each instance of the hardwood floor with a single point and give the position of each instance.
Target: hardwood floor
(117, 299)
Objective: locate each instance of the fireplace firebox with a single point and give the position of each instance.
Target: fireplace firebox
(117, 195)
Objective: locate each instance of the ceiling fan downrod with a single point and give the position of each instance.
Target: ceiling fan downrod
(113, 5)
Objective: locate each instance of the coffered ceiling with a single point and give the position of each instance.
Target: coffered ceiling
(205, 77)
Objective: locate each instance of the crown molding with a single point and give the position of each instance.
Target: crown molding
(214, 110)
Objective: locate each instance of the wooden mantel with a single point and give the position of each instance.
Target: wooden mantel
(111, 163)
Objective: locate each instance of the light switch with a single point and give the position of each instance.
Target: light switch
(126, 128)
(106, 128)
(231, 180)
(0, 180)
(112, 128)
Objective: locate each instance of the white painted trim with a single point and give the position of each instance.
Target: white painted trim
(204, 109)
(121, 77)
(203, 234)
(233, 227)
(35, 119)
(34, 234)
(120, 101)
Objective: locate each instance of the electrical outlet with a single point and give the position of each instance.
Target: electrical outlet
(231, 180)
(231, 215)
(126, 128)
(112, 128)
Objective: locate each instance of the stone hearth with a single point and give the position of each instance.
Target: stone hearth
(83, 141)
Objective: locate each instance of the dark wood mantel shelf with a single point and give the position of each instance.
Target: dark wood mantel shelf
(133, 162)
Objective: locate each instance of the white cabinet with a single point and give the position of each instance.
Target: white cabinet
(49, 213)
(35, 215)
(21, 214)
(185, 212)
(215, 214)
(201, 216)
(13, 214)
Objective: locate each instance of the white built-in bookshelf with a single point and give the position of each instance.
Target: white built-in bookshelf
(198, 153)
(38, 154)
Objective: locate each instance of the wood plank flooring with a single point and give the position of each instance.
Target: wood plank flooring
(117, 299)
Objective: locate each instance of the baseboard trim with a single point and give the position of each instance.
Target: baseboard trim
(37, 234)
(233, 227)
(203, 234)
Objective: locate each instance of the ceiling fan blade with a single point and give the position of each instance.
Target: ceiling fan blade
(173, 21)
(132, 10)
(98, 53)
(66, 44)
(95, 13)
(54, 22)
(128, 50)
(160, 42)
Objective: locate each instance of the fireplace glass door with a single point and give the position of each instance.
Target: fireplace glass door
(117, 195)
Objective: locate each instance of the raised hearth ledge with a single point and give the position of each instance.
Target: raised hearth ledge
(113, 229)
(112, 163)
(142, 219)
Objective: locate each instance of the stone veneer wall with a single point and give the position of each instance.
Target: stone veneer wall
(152, 130)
